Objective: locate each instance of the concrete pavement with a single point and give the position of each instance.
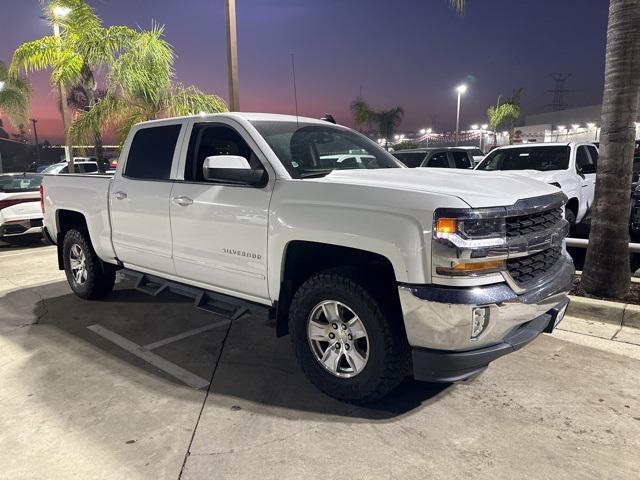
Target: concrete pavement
(75, 403)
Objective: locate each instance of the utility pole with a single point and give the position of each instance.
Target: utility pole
(232, 56)
(559, 91)
(35, 136)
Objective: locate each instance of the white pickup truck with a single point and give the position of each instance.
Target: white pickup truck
(375, 270)
(569, 166)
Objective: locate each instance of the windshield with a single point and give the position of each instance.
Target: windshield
(20, 183)
(314, 150)
(532, 158)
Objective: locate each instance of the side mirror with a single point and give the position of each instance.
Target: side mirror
(232, 169)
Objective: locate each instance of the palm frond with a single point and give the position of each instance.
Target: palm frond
(458, 5)
(68, 69)
(361, 112)
(81, 17)
(35, 55)
(103, 46)
(145, 70)
(191, 101)
(104, 115)
(14, 96)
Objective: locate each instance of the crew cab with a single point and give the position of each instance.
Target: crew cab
(569, 166)
(375, 271)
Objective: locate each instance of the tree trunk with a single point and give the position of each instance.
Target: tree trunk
(99, 150)
(606, 271)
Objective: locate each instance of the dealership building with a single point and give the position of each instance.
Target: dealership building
(575, 124)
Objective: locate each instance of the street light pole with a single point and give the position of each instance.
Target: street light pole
(460, 89)
(35, 137)
(232, 56)
(60, 12)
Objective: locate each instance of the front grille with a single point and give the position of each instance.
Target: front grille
(534, 222)
(527, 269)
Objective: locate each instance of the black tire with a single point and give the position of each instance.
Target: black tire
(389, 354)
(99, 279)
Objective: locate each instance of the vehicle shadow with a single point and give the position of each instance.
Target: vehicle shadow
(17, 242)
(247, 364)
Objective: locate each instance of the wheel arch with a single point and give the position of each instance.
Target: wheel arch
(65, 221)
(302, 259)
(573, 204)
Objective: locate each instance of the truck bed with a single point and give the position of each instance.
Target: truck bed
(87, 195)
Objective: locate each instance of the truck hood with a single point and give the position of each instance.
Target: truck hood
(547, 177)
(476, 188)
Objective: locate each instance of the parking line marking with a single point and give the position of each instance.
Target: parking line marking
(187, 334)
(186, 377)
(31, 252)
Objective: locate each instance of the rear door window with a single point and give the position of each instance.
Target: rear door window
(151, 153)
(461, 159)
(438, 160)
(410, 159)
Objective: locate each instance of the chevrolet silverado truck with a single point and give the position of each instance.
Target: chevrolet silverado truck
(569, 166)
(376, 271)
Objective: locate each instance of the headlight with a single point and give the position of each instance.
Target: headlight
(462, 239)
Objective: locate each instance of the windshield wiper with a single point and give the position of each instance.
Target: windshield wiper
(315, 174)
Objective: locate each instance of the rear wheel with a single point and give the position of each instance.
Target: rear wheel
(348, 343)
(88, 277)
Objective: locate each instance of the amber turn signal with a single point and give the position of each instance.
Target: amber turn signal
(446, 226)
(468, 268)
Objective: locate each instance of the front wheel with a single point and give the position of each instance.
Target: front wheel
(347, 341)
(88, 277)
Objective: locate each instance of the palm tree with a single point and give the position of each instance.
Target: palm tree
(362, 113)
(14, 96)
(506, 113)
(389, 120)
(606, 271)
(83, 47)
(140, 87)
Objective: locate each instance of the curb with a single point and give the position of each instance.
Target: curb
(620, 314)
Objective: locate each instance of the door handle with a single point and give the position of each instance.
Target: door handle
(182, 201)
(120, 195)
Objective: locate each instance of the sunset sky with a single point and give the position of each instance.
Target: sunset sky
(402, 52)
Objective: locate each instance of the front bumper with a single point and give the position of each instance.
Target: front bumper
(438, 322)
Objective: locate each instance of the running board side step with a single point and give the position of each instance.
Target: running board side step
(219, 304)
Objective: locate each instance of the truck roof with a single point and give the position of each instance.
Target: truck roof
(251, 116)
(544, 144)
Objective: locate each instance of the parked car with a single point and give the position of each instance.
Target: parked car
(20, 210)
(81, 166)
(475, 152)
(376, 273)
(446, 157)
(569, 166)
